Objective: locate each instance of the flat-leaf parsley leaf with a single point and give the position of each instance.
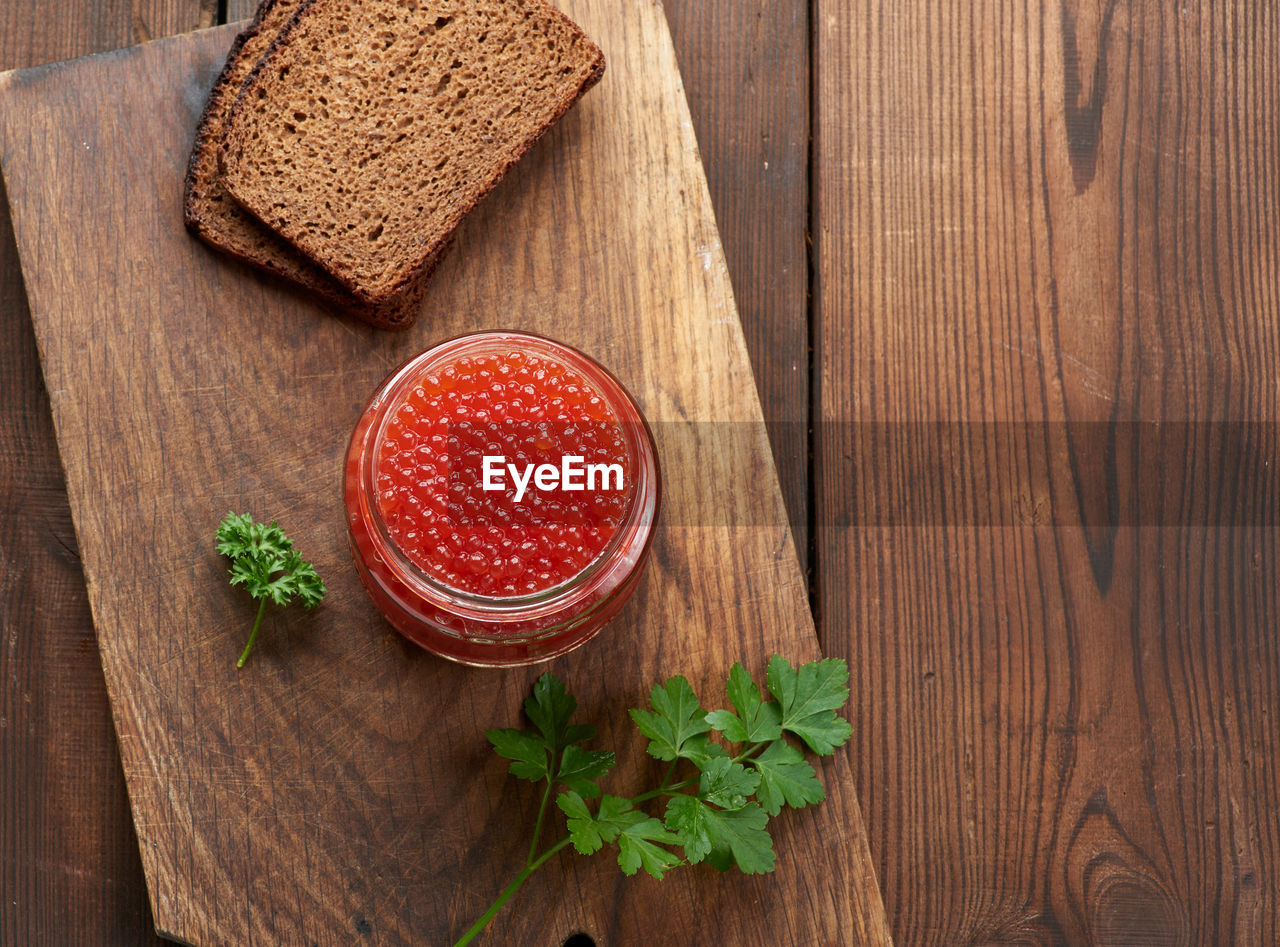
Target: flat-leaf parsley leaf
(808, 697)
(675, 718)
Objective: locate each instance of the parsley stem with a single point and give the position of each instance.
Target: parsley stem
(665, 790)
(253, 635)
(483, 921)
(667, 776)
(662, 791)
(537, 826)
(751, 751)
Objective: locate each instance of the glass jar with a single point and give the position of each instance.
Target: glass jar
(514, 627)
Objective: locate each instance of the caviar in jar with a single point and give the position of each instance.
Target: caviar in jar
(502, 491)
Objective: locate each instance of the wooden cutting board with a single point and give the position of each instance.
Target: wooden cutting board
(339, 788)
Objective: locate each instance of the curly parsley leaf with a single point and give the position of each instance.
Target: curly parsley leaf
(265, 564)
(241, 536)
(279, 579)
(808, 698)
(786, 777)
(676, 716)
(756, 720)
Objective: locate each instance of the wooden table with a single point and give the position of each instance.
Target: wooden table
(1017, 239)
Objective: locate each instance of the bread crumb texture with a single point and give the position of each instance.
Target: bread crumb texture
(372, 127)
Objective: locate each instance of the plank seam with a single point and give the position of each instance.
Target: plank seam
(812, 416)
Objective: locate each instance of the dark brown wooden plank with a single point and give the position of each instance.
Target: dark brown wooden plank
(238, 10)
(1066, 634)
(70, 872)
(609, 216)
(746, 75)
(71, 868)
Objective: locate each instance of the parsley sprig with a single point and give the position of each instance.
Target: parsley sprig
(264, 561)
(744, 765)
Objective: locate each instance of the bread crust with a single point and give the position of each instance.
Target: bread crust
(207, 218)
(211, 116)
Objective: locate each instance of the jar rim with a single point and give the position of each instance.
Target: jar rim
(642, 511)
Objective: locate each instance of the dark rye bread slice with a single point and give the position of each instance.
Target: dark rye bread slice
(213, 216)
(372, 127)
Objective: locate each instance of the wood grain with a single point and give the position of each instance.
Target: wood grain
(70, 872)
(240, 10)
(746, 75)
(1062, 213)
(326, 767)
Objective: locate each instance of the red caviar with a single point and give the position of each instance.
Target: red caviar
(528, 410)
(502, 491)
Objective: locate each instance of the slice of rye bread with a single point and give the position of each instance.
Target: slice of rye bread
(219, 221)
(372, 127)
